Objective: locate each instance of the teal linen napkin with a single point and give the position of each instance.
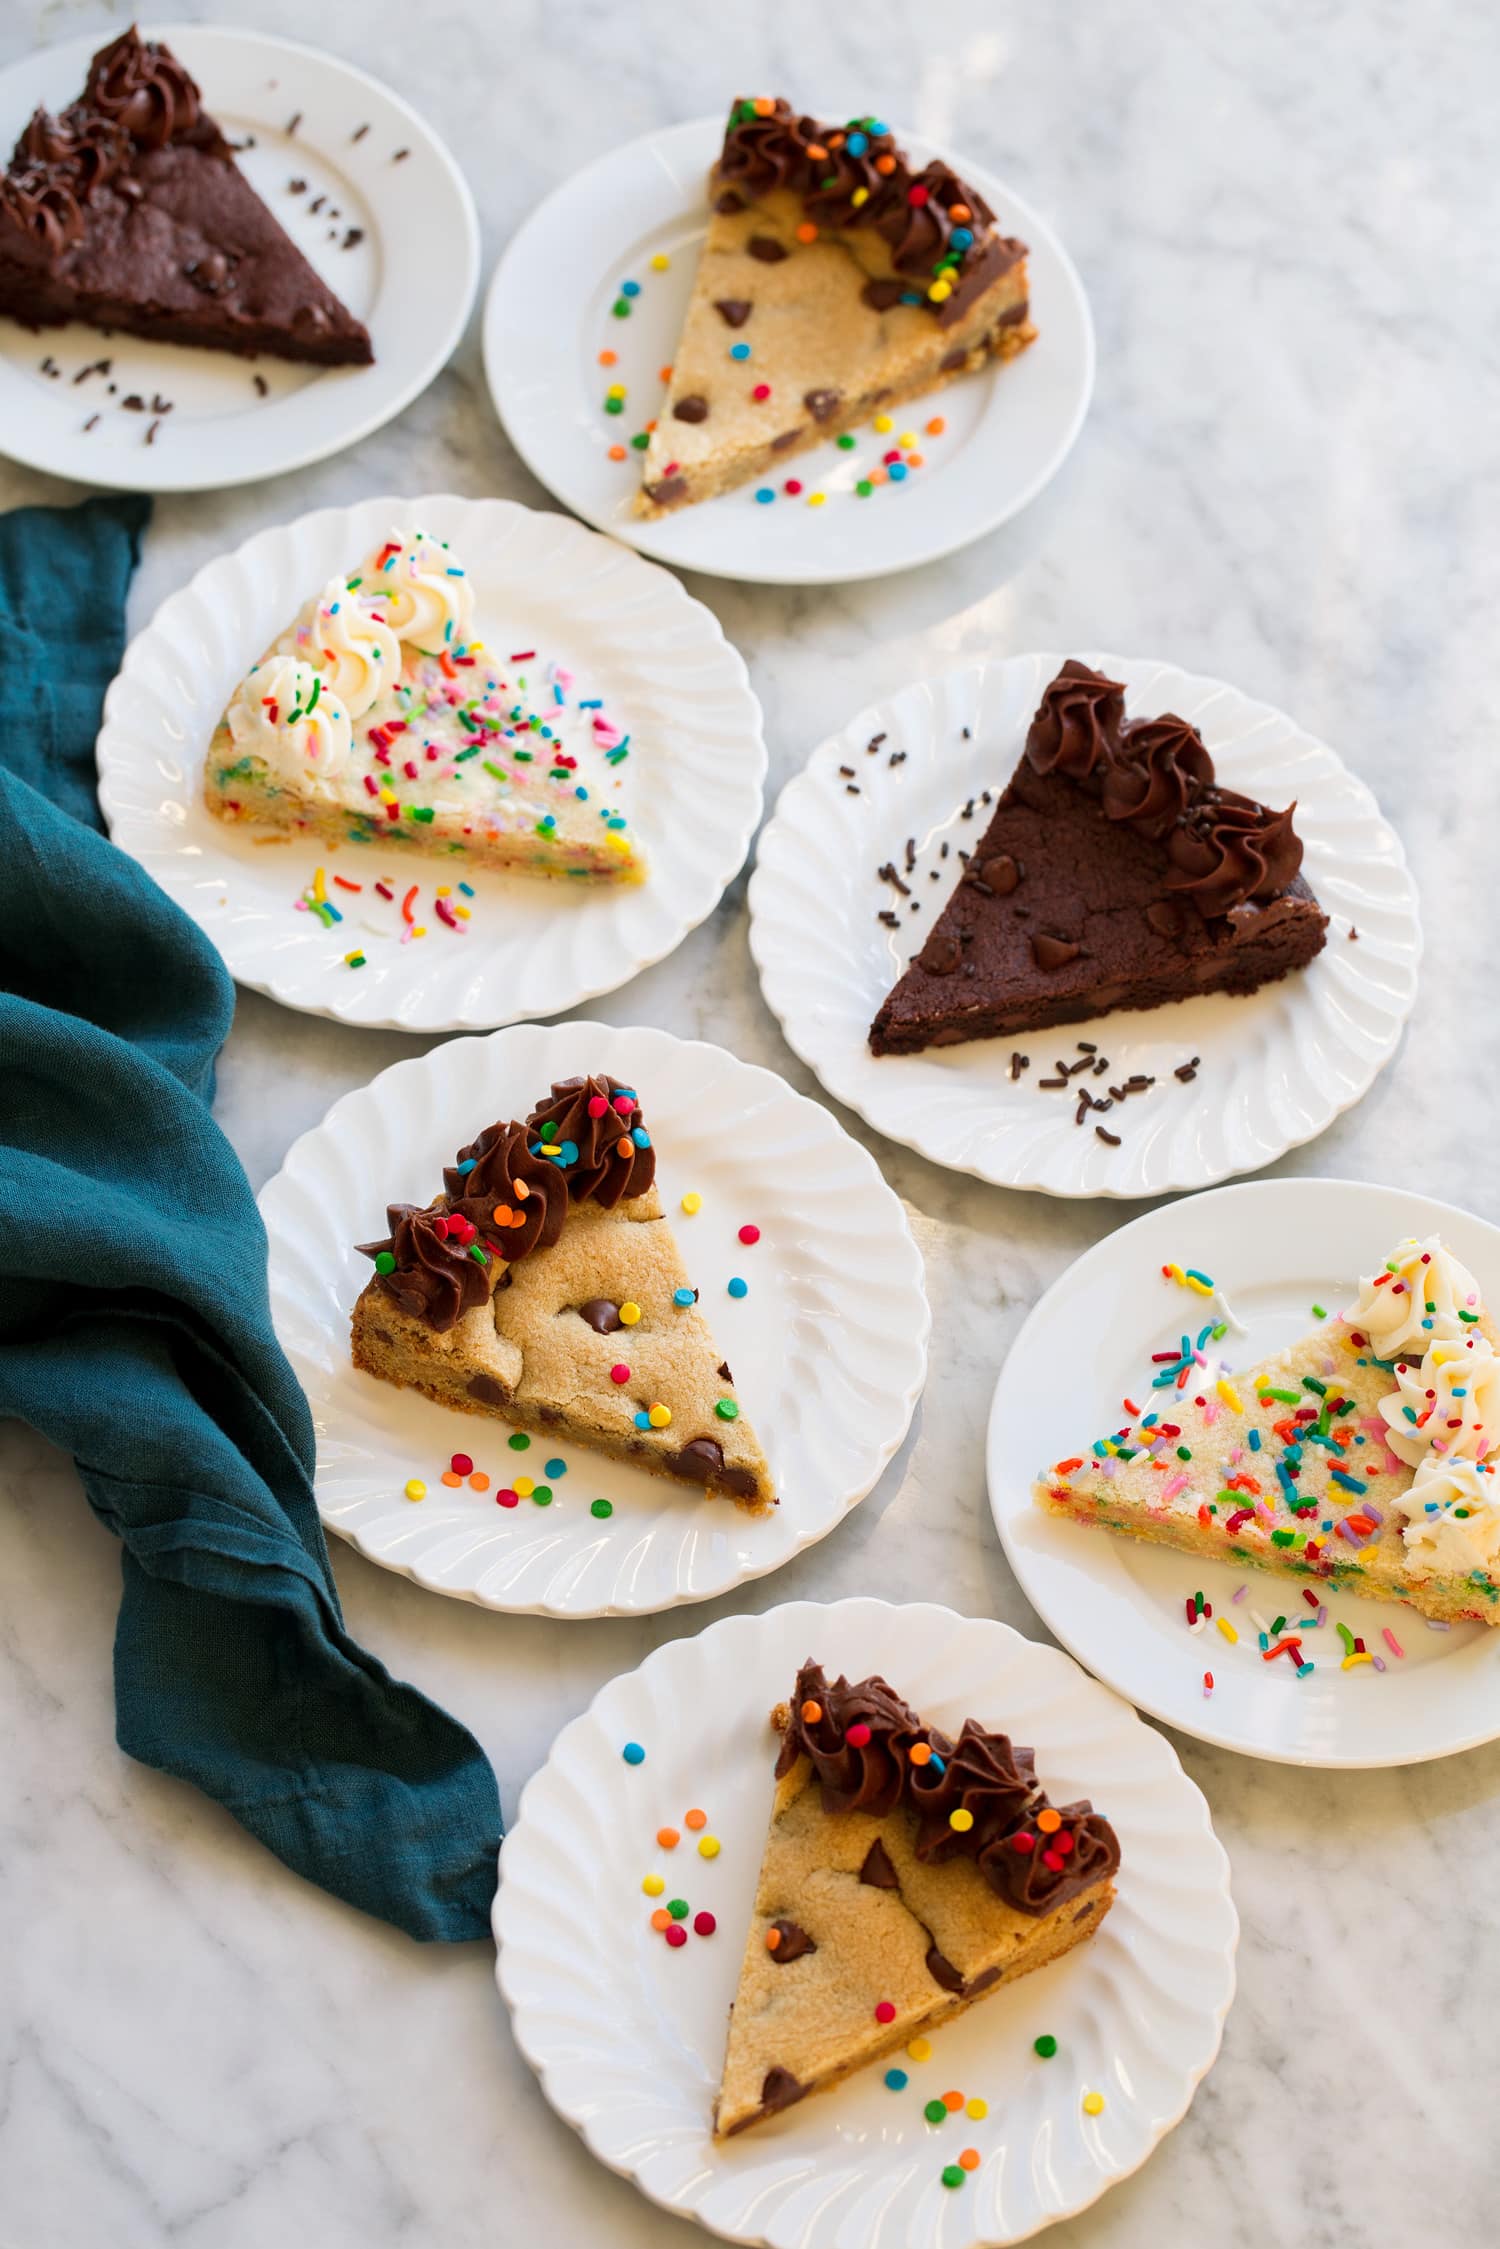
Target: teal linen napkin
(135, 1330)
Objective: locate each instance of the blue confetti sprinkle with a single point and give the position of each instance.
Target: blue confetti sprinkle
(633, 1753)
(737, 1287)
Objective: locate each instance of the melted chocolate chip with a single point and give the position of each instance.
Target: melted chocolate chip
(981, 1982)
(699, 1458)
(795, 1941)
(1002, 873)
(602, 1316)
(766, 247)
(733, 311)
(942, 1970)
(787, 437)
(488, 1391)
(881, 295)
(691, 409)
(1053, 952)
(779, 2091)
(729, 201)
(821, 403)
(667, 489)
(877, 1870)
(1165, 917)
(951, 361)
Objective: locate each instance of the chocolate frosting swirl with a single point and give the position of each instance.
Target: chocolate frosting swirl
(40, 215)
(1032, 1868)
(1077, 723)
(144, 88)
(766, 147)
(436, 1276)
(1160, 765)
(518, 1201)
(917, 220)
(1230, 851)
(82, 147)
(599, 1120)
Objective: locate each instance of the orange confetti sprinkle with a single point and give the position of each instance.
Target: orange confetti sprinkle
(661, 1919)
(818, 154)
(608, 358)
(668, 1838)
(479, 1481)
(811, 1713)
(936, 426)
(914, 460)
(807, 232)
(773, 1940)
(953, 2102)
(764, 106)
(1049, 1821)
(960, 213)
(920, 1753)
(969, 2160)
(695, 1819)
(451, 1480)
(665, 374)
(885, 165)
(650, 426)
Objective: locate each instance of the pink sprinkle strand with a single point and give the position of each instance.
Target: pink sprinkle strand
(1391, 1641)
(1175, 1485)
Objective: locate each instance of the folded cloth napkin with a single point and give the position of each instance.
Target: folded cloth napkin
(135, 1330)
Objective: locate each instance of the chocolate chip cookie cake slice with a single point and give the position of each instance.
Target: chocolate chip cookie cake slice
(544, 1286)
(904, 1876)
(836, 278)
(380, 716)
(1365, 1456)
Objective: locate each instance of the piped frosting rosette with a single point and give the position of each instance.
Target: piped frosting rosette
(285, 713)
(1443, 1417)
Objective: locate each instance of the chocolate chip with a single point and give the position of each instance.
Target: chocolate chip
(724, 1373)
(942, 1970)
(795, 1943)
(691, 409)
(1053, 952)
(981, 1982)
(821, 403)
(208, 273)
(787, 437)
(881, 295)
(698, 1459)
(602, 1316)
(666, 489)
(877, 1870)
(488, 1391)
(733, 311)
(730, 201)
(1002, 873)
(951, 361)
(940, 955)
(779, 2091)
(1165, 917)
(766, 247)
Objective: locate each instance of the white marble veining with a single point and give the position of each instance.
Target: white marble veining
(1284, 216)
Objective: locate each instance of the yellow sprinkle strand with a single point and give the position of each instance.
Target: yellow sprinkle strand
(1230, 1395)
(319, 892)
(1228, 1630)
(1350, 1661)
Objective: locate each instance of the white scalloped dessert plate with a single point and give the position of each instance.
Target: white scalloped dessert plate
(1008, 428)
(1277, 1247)
(829, 1346)
(415, 241)
(531, 946)
(627, 2035)
(1277, 1066)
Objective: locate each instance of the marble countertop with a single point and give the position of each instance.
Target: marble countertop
(1287, 479)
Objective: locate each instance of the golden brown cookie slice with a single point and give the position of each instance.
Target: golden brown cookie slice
(904, 1876)
(545, 1286)
(835, 279)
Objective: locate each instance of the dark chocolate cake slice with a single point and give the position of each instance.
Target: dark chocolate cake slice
(129, 212)
(1115, 873)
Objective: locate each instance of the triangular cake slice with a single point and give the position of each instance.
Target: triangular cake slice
(545, 1287)
(1115, 873)
(129, 212)
(904, 1876)
(379, 717)
(835, 279)
(1364, 1456)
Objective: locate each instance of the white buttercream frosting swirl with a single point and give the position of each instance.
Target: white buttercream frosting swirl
(1448, 1405)
(1419, 1299)
(285, 714)
(422, 592)
(1453, 1518)
(353, 647)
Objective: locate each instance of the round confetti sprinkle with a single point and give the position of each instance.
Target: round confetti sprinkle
(726, 1409)
(603, 1508)
(749, 1234)
(614, 406)
(1049, 1821)
(936, 426)
(705, 1924)
(461, 1464)
(556, 1468)
(882, 423)
(692, 1204)
(969, 2159)
(630, 288)
(676, 1935)
(617, 452)
(608, 358)
(739, 351)
(845, 442)
(661, 1919)
(761, 392)
(642, 1420)
(660, 262)
(737, 1287)
(709, 1847)
(1093, 2104)
(897, 2080)
(920, 1753)
(668, 1838)
(897, 472)
(793, 485)
(619, 1373)
(977, 2108)
(451, 1480)
(621, 308)
(653, 1885)
(816, 499)
(858, 1734)
(659, 1416)
(384, 1262)
(629, 1314)
(1046, 2046)
(683, 1296)
(953, 2102)
(695, 1819)
(864, 488)
(541, 1495)
(479, 1481)
(520, 1442)
(633, 1753)
(920, 2049)
(952, 2176)
(505, 1497)
(960, 1821)
(416, 1489)
(907, 439)
(885, 2011)
(525, 1486)
(936, 2112)
(765, 496)
(678, 1908)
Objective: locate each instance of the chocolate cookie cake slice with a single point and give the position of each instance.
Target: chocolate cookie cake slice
(1115, 873)
(904, 1876)
(129, 212)
(837, 277)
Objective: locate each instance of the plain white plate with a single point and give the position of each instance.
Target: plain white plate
(829, 1347)
(627, 2035)
(549, 316)
(1277, 1065)
(630, 634)
(420, 249)
(1276, 1247)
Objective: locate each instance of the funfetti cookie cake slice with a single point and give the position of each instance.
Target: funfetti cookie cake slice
(904, 1876)
(836, 278)
(1366, 1455)
(544, 1286)
(381, 716)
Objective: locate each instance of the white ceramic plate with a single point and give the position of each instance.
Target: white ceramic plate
(549, 316)
(418, 246)
(1276, 1247)
(627, 2035)
(532, 947)
(829, 1347)
(1277, 1066)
